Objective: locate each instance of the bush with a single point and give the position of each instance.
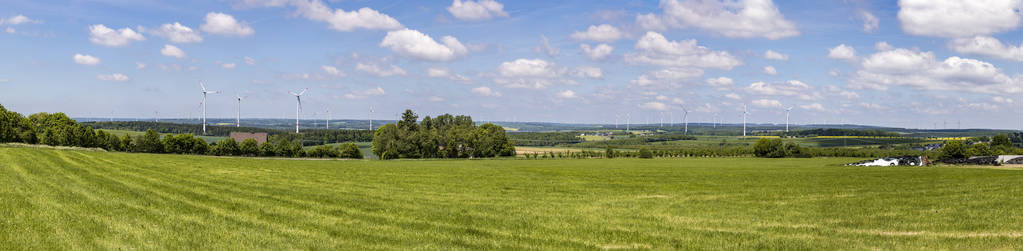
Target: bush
(225, 147)
(249, 147)
(267, 149)
(350, 151)
(769, 148)
(953, 149)
(322, 151)
(979, 149)
(609, 153)
(645, 153)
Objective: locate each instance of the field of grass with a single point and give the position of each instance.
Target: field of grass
(67, 199)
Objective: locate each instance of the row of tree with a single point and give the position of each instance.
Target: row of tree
(445, 136)
(307, 137)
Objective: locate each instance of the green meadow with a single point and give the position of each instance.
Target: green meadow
(71, 199)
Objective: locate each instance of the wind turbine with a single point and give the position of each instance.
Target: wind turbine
(745, 112)
(298, 106)
(238, 120)
(628, 120)
(617, 116)
(787, 112)
(370, 118)
(328, 118)
(203, 103)
(685, 119)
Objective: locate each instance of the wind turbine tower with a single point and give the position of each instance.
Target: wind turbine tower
(787, 112)
(204, 92)
(370, 118)
(685, 119)
(298, 106)
(745, 112)
(328, 117)
(238, 119)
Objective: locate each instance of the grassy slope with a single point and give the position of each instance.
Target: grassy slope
(58, 199)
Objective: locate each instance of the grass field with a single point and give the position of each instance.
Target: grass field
(67, 199)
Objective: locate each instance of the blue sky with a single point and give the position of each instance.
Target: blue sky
(907, 63)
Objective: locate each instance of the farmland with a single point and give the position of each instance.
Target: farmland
(63, 199)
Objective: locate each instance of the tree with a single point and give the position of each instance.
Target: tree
(350, 151)
(953, 149)
(267, 149)
(609, 152)
(150, 142)
(408, 121)
(249, 147)
(645, 153)
(323, 151)
(980, 149)
(15, 128)
(769, 148)
(1001, 143)
(126, 143)
(226, 147)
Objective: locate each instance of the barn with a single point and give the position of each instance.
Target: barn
(260, 137)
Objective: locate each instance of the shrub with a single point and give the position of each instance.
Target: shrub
(323, 151)
(350, 151)
(249, 147)
(769, 148)
(645, 153)
(979, 149)
(609, 153)
(953, 149)
(225, 147)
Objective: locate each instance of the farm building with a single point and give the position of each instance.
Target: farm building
(260, 137)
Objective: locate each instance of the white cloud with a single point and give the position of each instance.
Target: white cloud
(476, 10)
(438, 72)
(228, 65)
(921, 70)
(988, 47)
(1002, 100)
(16, 20)
(435, 99)
(600, 33)
(742, 19)
(883, 46)
(720, 82)
(176, 33)
(870, 22)
(588, 72)
(249, 61)
(813, 107)
(415, 44)
(653, 48)
(172, 51)
(657, 106)
(224, 24)
(116, 77)
(485, 91)
(537, 68)
(792, 88)
(139, 66)
(9, 30)
(769, 70)
(983, 106)
(373, 68)
(365, 93)
(669, 77)
(767, 103)
(566, 94)
(733, 96)
(341, 20)
(958, 18)
(85, 59)
(597, 53)
(843, 52)
(546, 48)
(332, 71)
(769, 54)
(849, 94)
(101, 35)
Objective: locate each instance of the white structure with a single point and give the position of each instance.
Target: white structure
(371, 118)
(744, 113)
(788, 111)
(685, 119)
(238, 119)
(298, 106)
(203, 103)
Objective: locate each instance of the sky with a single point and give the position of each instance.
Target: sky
(908, 63)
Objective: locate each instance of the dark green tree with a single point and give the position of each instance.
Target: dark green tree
(350, 151)
(953, 149)
(249, 147)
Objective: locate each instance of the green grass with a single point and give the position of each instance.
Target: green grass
(66, 199)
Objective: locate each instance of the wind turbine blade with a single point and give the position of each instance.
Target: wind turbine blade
(292, 93)
(303, 91)
(203, 86)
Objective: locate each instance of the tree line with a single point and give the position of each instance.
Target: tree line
(307, 137)
(445, 136)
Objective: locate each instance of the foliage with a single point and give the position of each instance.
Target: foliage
(226, 147)
(149, 143)
(349, 151)
(979, 149)
(544, 138)
(445, 136)
(249, 147)
(308, 136)
(645, 153)
(769, 148)
(323, 151)
(838, 132)
(953, 149)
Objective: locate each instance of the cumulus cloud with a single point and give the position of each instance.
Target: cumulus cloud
(485, 91)
(958, 18)
(843, 52)
(883, 46)
(140, 65)
(792, 88)
(720, 82)
(654, 49)
(769, 70)
(1002, 100)
(813, 107)
(769, 54)
(741, 19)
(172, 51)
(438, 72)
(767, 103)
(654, 105)
(669, 77)
(228, 65)
(733, 96)
(415, 44)
(101, 35)
(435, 99)
(224, 24)
(249, 61)
(921, 70)
(588, 72)
(546, 48)
(596, 53)
(116, 77)
(476, 10)
(85, 59)
(332, 71)
(16, 20)
(599, 33)
(176, 33)
(375, 69)
(870, 22)
(537, 68)
(988, 47)
(341, 20)
(566, 94)
(365, 93)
